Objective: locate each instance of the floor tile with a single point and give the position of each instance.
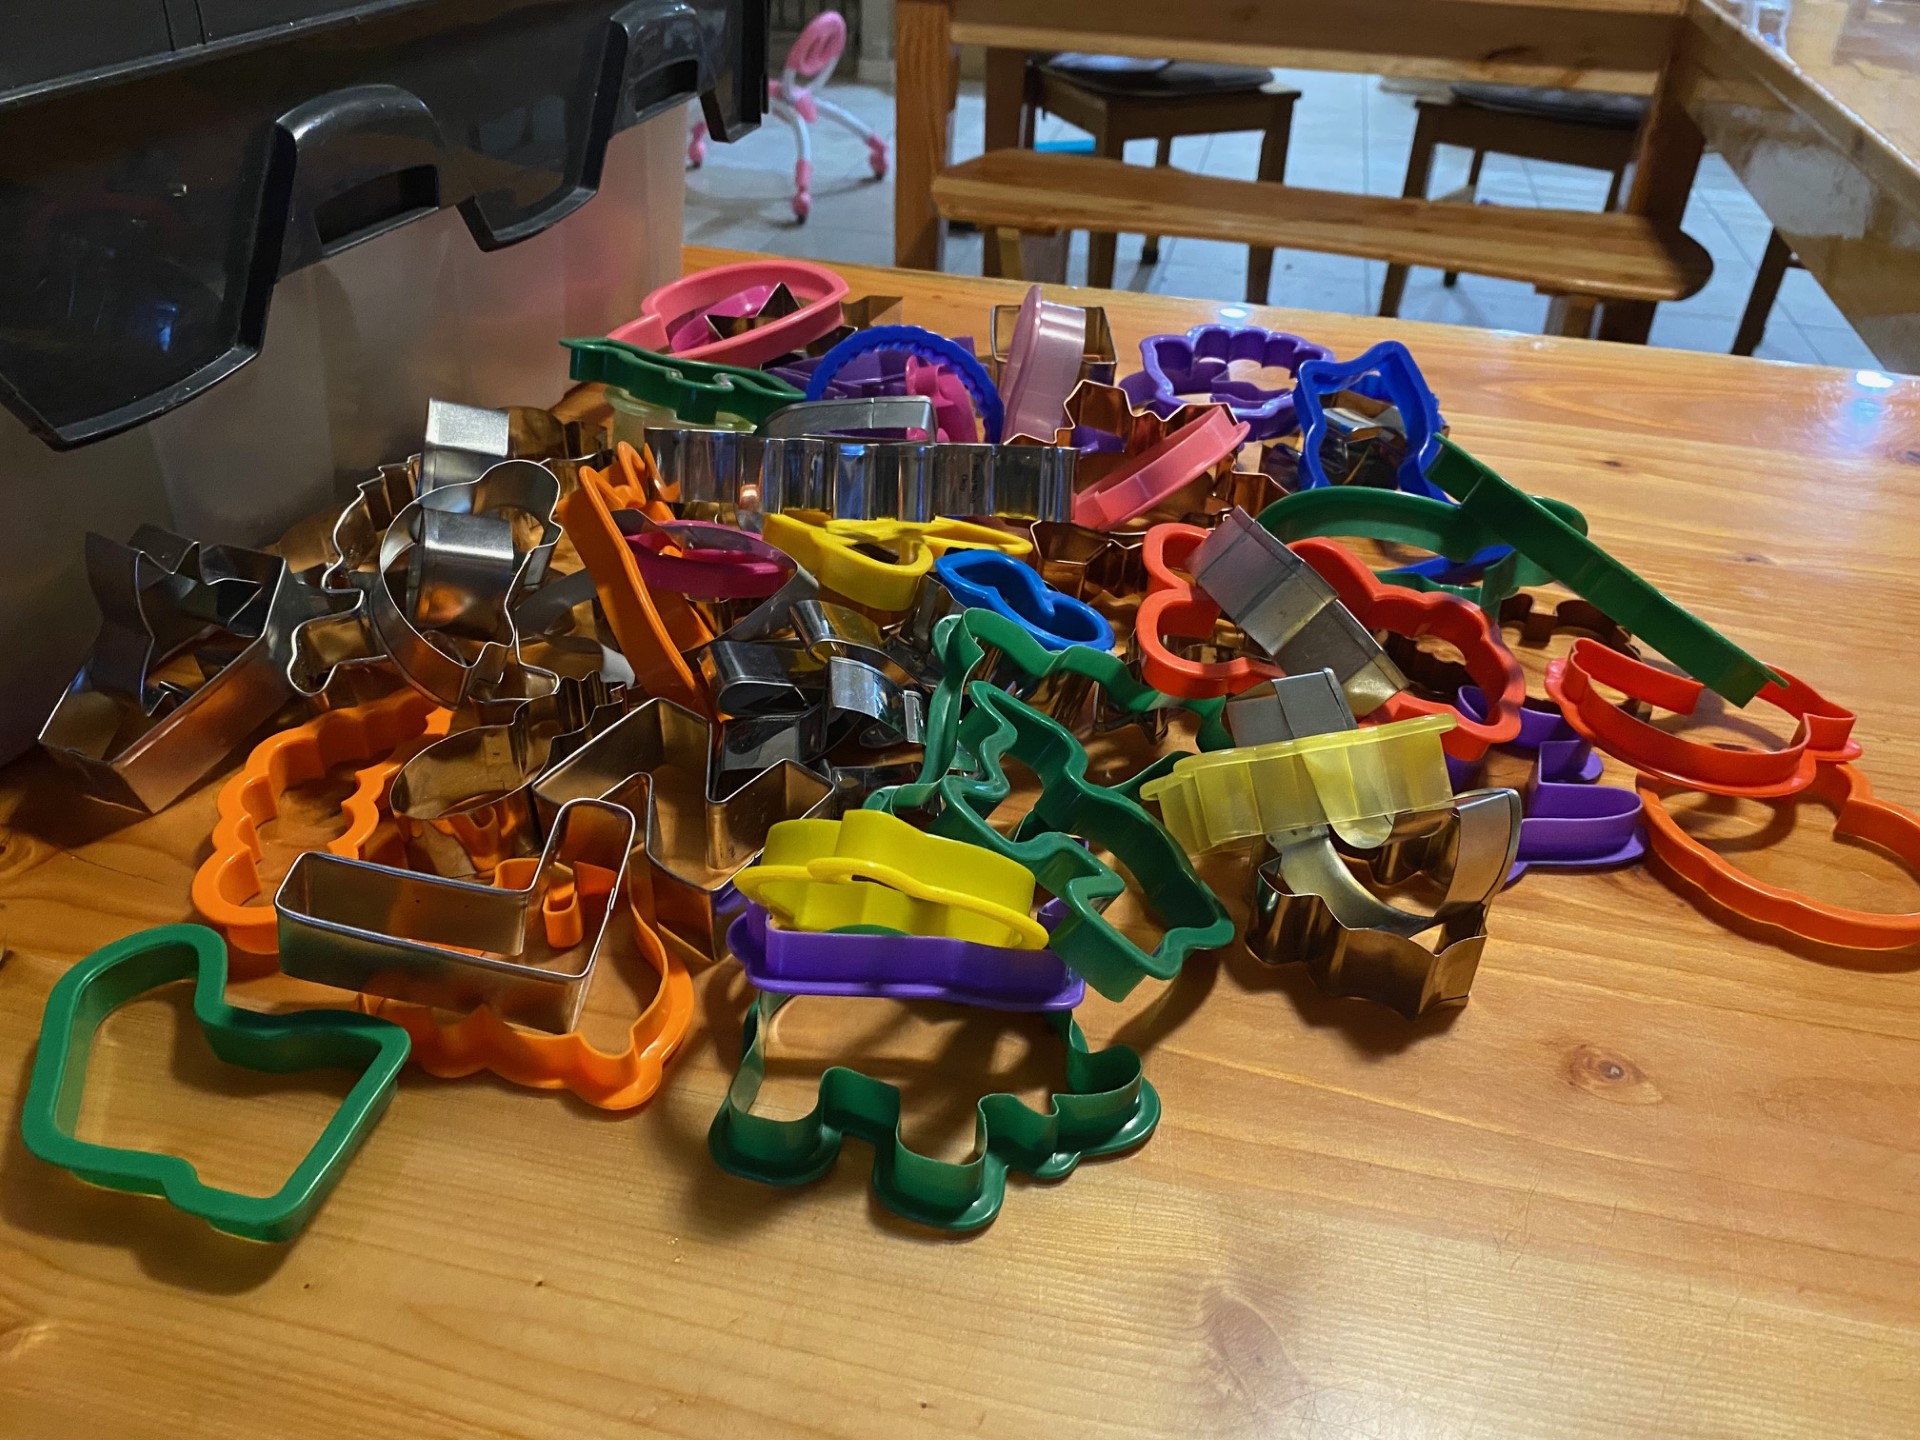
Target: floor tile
(1838, 345)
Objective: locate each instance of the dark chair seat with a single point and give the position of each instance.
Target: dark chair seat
(1150, 77)
(1580, 107)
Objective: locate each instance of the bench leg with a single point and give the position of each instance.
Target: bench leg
(1003, 244)
(1150, 245)
(1100, 248)
(1009, 119)
(1571, 315)
(1452, 277)
(1419, 176)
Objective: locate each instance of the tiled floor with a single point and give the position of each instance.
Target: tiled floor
(1348, 134)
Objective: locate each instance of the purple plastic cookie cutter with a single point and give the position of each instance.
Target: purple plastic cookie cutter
(902, 967)
(1199, 363)
(1568, 820)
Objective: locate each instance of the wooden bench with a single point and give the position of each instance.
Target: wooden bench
(1582, 259)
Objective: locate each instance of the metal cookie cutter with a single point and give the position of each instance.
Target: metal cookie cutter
(912, 414)
(1098, 356)
(1106, 1107)
(1200, 362)
(1309, 907)
(139, 741)
(273, 1044)
(454, 945)
(687, 872)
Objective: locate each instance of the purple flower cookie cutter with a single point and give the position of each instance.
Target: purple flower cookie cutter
(1200, 362)
(902, 967)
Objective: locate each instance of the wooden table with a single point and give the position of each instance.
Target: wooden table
(1816, 107)
(1655, 1179)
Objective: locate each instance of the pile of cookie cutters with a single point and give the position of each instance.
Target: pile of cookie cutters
(889, 670)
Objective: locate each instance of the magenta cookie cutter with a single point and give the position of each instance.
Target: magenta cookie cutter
(1569, 821)
(1198, 363)
(1042, 366)
(716, 562)
(902, 967)
(671, 317)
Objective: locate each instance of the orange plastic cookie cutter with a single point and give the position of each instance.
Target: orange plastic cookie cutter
(1177, 608)
(1824, 734)
(1417, 614)
(227, 886)
(1860, 817)
(452, 1048)
(655, 632)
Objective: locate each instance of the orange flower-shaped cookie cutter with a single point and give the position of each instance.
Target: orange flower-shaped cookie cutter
(227, 886)
(1417, 614)
(1860, 816)
(1823, 735)
(1175, 607)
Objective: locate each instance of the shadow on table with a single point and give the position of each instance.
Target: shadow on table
(1371, 1031)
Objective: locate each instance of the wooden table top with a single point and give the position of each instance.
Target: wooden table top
(1654, 1179)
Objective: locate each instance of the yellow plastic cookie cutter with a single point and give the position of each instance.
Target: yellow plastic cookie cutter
(1356, 781)
(866, 870)
(879, 563)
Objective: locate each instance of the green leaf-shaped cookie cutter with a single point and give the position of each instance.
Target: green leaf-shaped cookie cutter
(1107, 1107)
(696, 391)
(997, 724)
(275, 1044)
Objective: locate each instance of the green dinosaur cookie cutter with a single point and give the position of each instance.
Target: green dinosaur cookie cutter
(275, 1044)
(1394, 516)
(1107, 1107)
(1566, 554)
(963, 643)
(696, 391)
(997, 724)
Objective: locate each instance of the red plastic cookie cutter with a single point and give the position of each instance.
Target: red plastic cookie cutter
(1823, 735)
(672, 318)
(1175, 607)
(1889, 827)
(1415, 614)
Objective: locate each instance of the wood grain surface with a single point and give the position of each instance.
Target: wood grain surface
(1656, 1178)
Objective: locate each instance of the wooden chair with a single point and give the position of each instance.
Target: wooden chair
(1580, 258)
(1162, 102)
(1564, 127)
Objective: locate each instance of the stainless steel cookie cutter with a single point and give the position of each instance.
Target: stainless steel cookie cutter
(852, 416)
(137, 741)
(456, 945)
(1290, 613)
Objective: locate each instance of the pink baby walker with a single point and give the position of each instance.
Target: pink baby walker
(808, 67)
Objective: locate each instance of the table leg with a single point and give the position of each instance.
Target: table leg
(1006, 118)
(1663, 170)
(923, 124)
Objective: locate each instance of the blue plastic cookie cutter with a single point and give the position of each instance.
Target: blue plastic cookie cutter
(922, 345)
(1176, 366)
(989, 580)
(1386, 372)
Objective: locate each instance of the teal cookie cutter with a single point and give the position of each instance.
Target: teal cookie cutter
(1564, 553)
(695, 390)
(997, 724)
(1108, 1106)
(275, 1044)
(966, 642)
(1396, 517)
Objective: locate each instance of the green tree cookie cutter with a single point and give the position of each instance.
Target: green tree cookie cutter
(1107, 1107)
(696, 391)
(275, 1044)
(963, 642)
(1394, 516)
(1566, 554)
(997, 724)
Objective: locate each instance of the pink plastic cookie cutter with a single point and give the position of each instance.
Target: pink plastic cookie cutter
(673, 318)
(1151, 476)
(1042, 365)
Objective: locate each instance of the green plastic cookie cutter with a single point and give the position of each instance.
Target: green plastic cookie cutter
(1107, 1107)
(1568, 556)
(963, 643)
(698, 392)
(997, 724)
(1398, 518)
(275, 1044)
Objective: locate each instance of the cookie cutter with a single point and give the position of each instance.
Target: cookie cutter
(1405, 389)
(1860, 816)
(1199, 362)
(899, 967)
(1823, 735)
(909, 414)
(1107, 1107)
(681, 315)
(996, 725)
(1411, 616)
(702, 560)
(141, 744)
(1195, 441)
(922, 345)
(1041, 364)
(1175, 610)
(696, 391)
(87, 994)
(869, 870)
(1098, 356)
(451, 944)
(995, 581)
(228, 880)
(1104, 570)
(1583, 567)
(878, 563)
(685, 880)
(1288, 708)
